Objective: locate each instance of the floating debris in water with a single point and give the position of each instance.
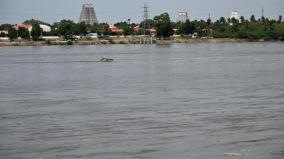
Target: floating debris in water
(103, 59)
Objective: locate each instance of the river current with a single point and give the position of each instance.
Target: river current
(183, 101)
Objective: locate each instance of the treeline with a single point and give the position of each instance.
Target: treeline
(263, 28)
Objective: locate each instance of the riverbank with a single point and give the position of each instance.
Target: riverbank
(124, 40)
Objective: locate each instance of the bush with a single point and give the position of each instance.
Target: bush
(242, 35)
(223, 35)
(3, 35)
(12, 33)
(69, 42)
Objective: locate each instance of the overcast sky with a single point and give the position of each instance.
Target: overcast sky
(16, 11)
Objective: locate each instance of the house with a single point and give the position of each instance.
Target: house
(4, 32)
(137, 28)
(175, 30)
(152, 31)
(27, 26)
(45, 28)
(115, 29)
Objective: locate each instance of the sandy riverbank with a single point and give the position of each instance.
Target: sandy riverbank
(123, 40)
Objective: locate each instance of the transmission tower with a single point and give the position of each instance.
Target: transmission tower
(262, 12)
(145, 18)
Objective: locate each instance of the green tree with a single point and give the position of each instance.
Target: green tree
(33, 21)
(97, 28)
(279, 29)
(222, 20)
(149, 23)
(201, 27)
(36, 31)
(80, 28)
(66, 28)
(101, 28)
(5, 26)
(12, 33)
(262, 19)
(280, 19)
(2, 34)
(242, 19)
(234, 25)
(163, 25)
(220, 25)
(252, 18)
(186, 28)
(127, 29)
(23, 33)
(54, 29)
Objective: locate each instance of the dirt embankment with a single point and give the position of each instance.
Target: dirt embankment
(122, 40)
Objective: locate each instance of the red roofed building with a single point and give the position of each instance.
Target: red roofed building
(27, 26)
(152, 31)
(137, 28)
(175, 30)
(116, 30)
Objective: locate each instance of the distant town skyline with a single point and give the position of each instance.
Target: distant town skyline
(17, 11)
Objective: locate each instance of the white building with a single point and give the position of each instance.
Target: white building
(236, 15)
(182, 17)
(45, 28)
(4, 31)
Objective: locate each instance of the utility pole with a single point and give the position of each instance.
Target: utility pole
(129, 22)
(209, 24)
(145, 39)
(145, 17)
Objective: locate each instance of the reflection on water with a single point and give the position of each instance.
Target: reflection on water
(153, 102)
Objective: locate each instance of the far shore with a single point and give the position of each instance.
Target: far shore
(128, 40)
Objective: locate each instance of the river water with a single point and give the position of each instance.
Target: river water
(184, 101)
